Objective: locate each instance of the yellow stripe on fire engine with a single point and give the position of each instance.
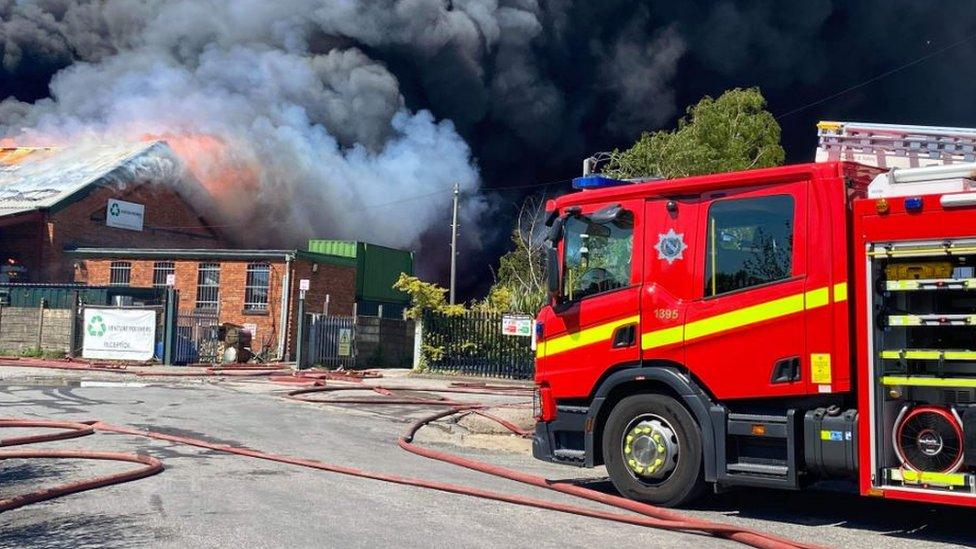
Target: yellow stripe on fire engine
(740, 317)
(840, 292)
(700, 328)
(926, 477)
(926, 354)
(660, 338)
(923, 381)
(595, 334)
(745, 316)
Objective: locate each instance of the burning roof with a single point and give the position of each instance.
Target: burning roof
(42, 177)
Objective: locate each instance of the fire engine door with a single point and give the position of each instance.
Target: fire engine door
(670, 258)
(745, 335)
(596, 322)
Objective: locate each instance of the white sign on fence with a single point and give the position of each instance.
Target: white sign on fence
(345, 342)
(517, 325)
(124, 215)
(119, 334)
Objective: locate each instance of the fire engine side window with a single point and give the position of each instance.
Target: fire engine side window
(597, 256)
(750, 242)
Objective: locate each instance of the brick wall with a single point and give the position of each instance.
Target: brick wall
(169, 223)
(335, 281)
(23, 328)
(338, 282)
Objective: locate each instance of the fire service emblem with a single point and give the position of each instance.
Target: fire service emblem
(670, 246)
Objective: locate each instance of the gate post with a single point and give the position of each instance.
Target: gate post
(301, 351)
(418, 332)
(169, 324)
(73, 328)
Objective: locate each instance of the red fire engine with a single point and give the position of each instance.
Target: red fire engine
(773, 327)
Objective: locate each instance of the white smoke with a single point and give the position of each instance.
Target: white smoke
(315, 96)
(336, 152)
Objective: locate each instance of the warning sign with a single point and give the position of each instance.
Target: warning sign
(820, 368)
(345, 342)
(517, 325)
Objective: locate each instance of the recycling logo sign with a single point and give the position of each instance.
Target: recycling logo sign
(96, 326)
(119, 334)
(124, 215)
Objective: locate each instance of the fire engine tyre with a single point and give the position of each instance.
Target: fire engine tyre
(664, 423)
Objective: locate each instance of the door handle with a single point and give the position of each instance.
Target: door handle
(624, 336)
(786, 370)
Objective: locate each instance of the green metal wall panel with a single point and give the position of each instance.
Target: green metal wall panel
(60, 296)
(341, 248)
(377, 267)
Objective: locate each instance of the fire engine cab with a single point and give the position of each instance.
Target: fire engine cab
(773, 327)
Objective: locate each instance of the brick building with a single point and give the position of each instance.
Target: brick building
(257, 289)
(130, 194)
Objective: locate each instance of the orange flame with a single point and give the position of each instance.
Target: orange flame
(224, 170)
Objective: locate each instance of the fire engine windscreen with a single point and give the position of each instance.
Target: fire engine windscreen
(597, 256)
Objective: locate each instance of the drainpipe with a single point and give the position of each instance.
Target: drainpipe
(285, 302)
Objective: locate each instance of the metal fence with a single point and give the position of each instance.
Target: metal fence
(196, 338)
(331, 341)
(474, 344)
(66, 296)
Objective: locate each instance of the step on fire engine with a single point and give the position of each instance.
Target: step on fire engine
(773, 327)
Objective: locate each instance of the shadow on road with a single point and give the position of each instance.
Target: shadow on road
(911, 521)
(76, 532)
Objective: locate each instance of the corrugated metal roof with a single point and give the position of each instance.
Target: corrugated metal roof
(208, 253)
(38, 178)
(344, 248)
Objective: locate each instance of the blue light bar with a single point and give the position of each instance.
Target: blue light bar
(913, 203)
(596, 181)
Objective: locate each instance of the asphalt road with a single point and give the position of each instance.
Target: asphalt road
(209, 499)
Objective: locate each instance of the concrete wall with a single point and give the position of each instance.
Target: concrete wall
(22, 328)
(384, 342)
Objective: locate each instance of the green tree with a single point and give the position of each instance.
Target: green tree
(733, 132)
(425, 296)
(520, 282)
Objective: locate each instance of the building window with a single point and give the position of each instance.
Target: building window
(256, 287)
(119, 273)
(208, 286)
(750, 242)
(161, 269)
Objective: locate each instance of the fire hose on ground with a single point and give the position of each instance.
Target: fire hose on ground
(67, 430)
(646, 515)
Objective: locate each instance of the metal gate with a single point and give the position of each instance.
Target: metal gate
(331, 340)
(473, 344)
(196, 337)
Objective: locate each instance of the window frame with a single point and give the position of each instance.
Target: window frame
(251, 306)
(156, 283)
(202, 304)
(796, 267)
(120, 266)
(563, 298)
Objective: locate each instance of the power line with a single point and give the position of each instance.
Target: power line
(878, 77)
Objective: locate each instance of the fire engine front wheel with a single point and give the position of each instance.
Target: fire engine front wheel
(653, 451)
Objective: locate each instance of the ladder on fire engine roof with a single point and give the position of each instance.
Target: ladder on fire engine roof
(921, 159)
(894, 145)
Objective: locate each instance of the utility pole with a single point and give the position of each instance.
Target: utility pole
(454, 233)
